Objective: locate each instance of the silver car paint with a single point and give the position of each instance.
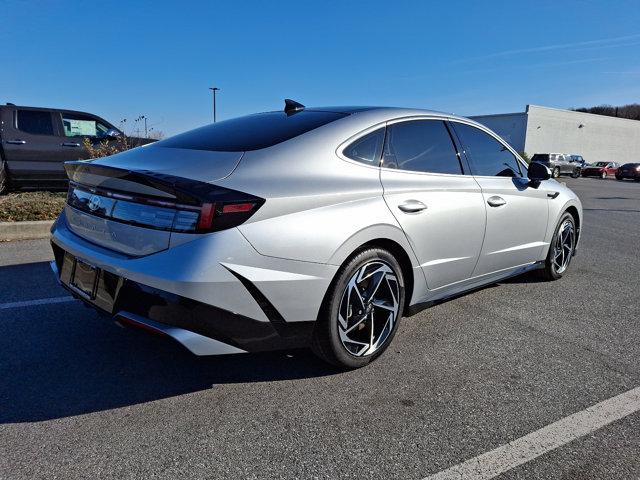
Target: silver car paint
(321, 207)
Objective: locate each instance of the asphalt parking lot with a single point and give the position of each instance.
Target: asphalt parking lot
(81, 397)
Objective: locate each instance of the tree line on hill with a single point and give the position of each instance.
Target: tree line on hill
(631, 111)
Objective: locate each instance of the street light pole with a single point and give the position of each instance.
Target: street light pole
(214, 90)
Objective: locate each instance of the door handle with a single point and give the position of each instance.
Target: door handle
(16, 142)
(496, 201)
(70, 144)
(412, 206)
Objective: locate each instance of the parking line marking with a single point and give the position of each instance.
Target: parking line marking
(537, 443)
(30, 303)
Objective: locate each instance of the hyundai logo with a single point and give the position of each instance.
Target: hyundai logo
(94, 203)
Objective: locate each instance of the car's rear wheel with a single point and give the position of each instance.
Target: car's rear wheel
(4, 179)
(561, 249)
(575, 173)
(555, 173)
(619, 177)
(603, 175)
(359, 316)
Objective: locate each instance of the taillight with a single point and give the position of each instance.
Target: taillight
(225, 215)
(221, 208)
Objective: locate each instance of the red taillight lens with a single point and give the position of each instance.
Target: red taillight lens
(238, 208)
(207, 211)
(220, 216)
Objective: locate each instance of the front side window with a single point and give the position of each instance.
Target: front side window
(366, 149)
(488, 157)
(35, 122)
(78, 125)
(421, 146)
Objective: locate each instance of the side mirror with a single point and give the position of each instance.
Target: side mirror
(111, 133)
(537, 172)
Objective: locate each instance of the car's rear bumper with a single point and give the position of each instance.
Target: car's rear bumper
(216, 286)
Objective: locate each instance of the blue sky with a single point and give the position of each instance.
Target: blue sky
(123, 59)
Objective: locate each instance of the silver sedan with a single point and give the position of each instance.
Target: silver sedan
(316, 227)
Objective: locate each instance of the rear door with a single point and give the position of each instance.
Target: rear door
(517, 214)
(32, 146)
(439, 206)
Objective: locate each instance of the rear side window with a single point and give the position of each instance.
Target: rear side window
(252, 132)
(78, 125)
(488, 157)
(367, 149)
(421, 146)
(36, 122)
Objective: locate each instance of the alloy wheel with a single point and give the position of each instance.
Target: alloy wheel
(369, 308)
(563, 247)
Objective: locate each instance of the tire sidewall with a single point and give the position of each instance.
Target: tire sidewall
(329, 317)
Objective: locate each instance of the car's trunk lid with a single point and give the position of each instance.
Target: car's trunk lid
(131, 202)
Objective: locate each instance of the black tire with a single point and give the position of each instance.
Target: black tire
(326, 342)
(619, 177)
(4, 179)
(555, 173)
(550, 271)
(575, 173)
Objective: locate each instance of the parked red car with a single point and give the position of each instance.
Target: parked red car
(600, 169)
(629, 170)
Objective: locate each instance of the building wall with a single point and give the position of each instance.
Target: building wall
(599, 139)
(511, 127)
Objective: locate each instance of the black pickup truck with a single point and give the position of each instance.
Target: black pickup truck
(35, 142)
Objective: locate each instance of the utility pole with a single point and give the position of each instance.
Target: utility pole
(214, 90)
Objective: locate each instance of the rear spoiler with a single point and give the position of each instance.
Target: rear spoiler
(146, 183)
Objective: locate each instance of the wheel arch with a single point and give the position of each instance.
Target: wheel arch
(573, 211)
(414, 280)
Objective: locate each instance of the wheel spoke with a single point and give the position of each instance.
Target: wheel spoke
(371, 295)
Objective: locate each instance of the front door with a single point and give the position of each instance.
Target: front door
(32, 146)
(517, 213)
(439, 207)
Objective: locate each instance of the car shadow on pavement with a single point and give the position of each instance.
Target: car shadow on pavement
(62, 360)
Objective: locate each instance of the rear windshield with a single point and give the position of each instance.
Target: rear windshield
(252, 132)
(540, 157)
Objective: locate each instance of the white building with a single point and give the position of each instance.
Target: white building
(552, 130)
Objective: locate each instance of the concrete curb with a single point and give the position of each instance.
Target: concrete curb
(24, 230)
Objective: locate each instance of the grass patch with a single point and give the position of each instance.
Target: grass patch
(24, 206)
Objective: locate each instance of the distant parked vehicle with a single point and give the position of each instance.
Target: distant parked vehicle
(629, 170)
(35, 142)
(578, 160)
(558, 163)
(601, 169)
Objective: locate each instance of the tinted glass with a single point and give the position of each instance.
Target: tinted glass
(540, 157)
(488, 157)
(367, 149)
(252, 132)
(35, 122)
(421, 146)
(78, 125)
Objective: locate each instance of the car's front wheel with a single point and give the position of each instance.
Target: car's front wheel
(561, 249)
(361, 310)
(603, 175)
(555, 172)
(575, 173)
